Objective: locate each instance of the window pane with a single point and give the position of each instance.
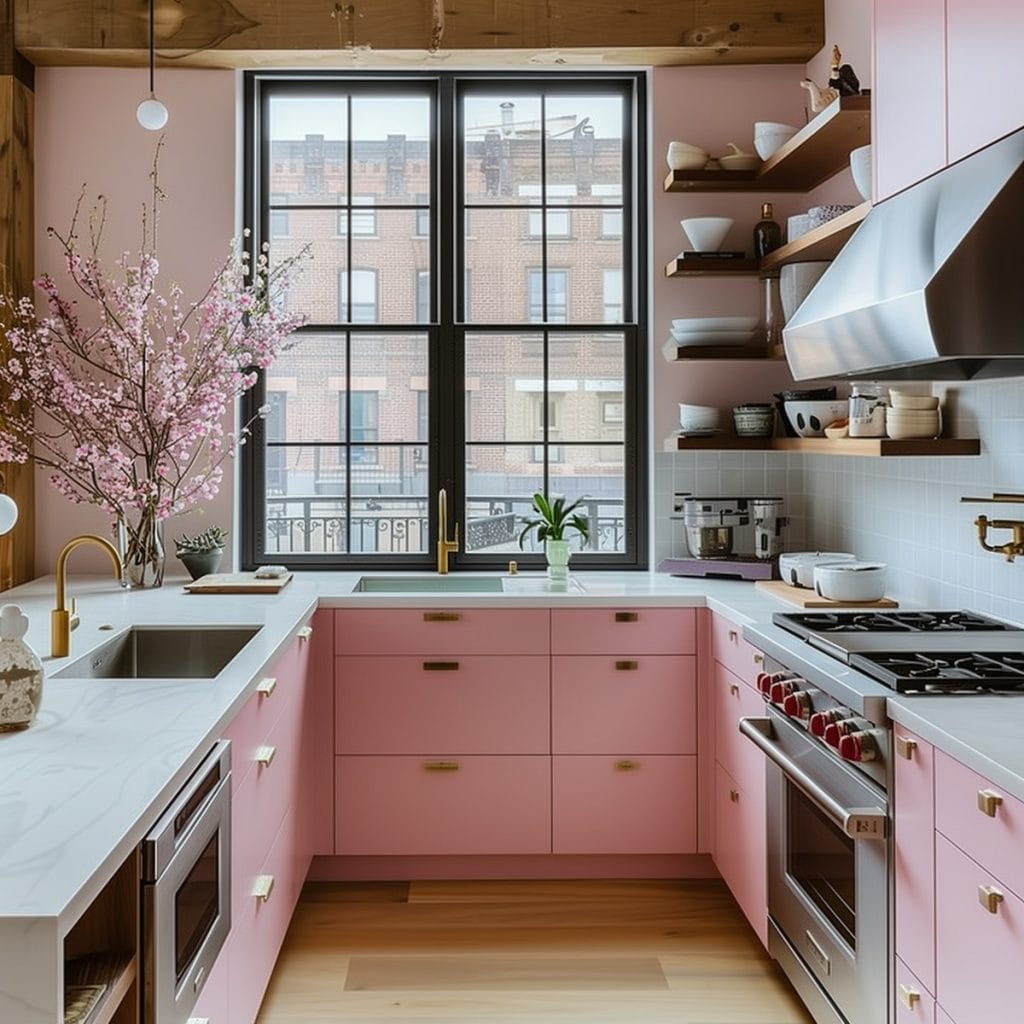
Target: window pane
(391, 147)
(497, 255)
(584, 147)
(302, 387)
(305, 513)
(504, 374)
(500, 483)
(597, 474)
(364, 306)
(390, 507)
(394, 367)
(501, 136)
(313, 291)
(308, 149)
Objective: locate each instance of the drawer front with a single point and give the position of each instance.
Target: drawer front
(623, 631)
(914, 812)
(741, 848)
(624, 804)
(602, 704)
(914, 1003)
(442, 805)
(480, 704)
(729, 648)
(994, 840)
(978, 953)
(441, 631)
(732, 701)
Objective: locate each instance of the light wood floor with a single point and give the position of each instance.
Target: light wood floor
(636, 952)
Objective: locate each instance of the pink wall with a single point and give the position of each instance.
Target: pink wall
(848, 25)
(86, 134)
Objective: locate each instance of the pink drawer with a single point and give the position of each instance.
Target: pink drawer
(741, 848)
(623, 631)
(440, 631)
(914, 1003)
(914, 813)
(600, 704)
(624, 804)
(481, 704)
(978, 953)
(729, 647)
(441, 805)
(995, 841)
(733, 701)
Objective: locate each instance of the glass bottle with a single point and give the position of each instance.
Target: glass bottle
(767, 234)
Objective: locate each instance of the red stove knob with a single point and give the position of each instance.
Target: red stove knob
(782, 689)
(821, 720)
(835, 731)
(797, 704)
(858, 746)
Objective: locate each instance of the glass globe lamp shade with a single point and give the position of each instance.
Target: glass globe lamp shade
(8, 513)
(151, 114)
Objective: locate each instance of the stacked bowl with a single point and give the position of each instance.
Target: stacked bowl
(911, 415)
(770, 135)
(697, 419)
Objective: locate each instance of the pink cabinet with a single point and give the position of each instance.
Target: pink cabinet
(730, 649)
(442, 805)
(733, 751)
(600, 705)
(914, 854)
(914, 1003)
(623, 631)
(909, 95)
(627, 803)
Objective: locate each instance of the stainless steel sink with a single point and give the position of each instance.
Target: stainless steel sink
(429, 585)
(161, 652)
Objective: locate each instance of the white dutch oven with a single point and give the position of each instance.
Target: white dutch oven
(797, 567)
(850, 581)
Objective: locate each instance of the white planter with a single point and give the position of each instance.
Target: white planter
(557, 552)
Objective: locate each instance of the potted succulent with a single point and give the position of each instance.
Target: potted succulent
(202, 553)
(553, 518)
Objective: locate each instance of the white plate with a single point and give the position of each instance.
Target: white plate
(715, 323)
(715, 338)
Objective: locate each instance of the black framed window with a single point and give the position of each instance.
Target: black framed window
(464, 329)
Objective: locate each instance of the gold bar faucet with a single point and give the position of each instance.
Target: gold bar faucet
(62, 622)
(445, 547)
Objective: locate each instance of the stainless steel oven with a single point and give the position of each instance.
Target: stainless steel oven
(186, 891)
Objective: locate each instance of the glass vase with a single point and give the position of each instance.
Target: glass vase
(557, 552)
(140, 543)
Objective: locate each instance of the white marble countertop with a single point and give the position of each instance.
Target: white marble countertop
(80, 788)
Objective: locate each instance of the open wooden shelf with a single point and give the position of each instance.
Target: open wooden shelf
(687, 353)
(718, 443)
(117, 971)
(710, 266)
(819, 150)
(865, 447)
(820, 243)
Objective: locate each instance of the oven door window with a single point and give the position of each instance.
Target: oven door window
(196, 906)
(821, 861)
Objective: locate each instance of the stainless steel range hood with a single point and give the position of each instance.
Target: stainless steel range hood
(930, 286)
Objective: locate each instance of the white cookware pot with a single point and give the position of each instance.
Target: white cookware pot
(850, 581)
(797, 567)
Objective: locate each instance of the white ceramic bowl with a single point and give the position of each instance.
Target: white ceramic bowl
(797, 567)
(686, 160)
(796, 281)
(797, 225)
(770, 135)
(809, 419)
(850, 581)
(860, 168)
(739, 162)
(903, 424)
(698, 417)
(769, 127)
(686, 147)
(907, 401)
(706, 234)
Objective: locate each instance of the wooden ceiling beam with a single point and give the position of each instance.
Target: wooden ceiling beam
(237, 33)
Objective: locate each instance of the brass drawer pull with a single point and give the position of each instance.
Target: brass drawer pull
(734, 796)
(440, 666)
(266, 686)
(440, 766)
(627, 666)
(758, 659)
(909, 997)
(990, 898)
(442, 616)
(627, 766)
(627, 616)
(734, 637)
(989, 802)
(905, 747)
(734, 689)
(263, 887)
(265, 755)
(304, 632)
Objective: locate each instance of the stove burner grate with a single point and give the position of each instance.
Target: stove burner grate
(941, 672)
(892, 622)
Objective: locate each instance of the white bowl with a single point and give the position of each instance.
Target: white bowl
(797, 567)
(770, 135)
(698, 417)
(906, 400)
(860, 168)
(912, 415)
(707, 234)
(686, 159)
(850, 581)
(796, 281)
(769, 127)
(809, 419)
(685, 147)
(739, 162)
(715, 323)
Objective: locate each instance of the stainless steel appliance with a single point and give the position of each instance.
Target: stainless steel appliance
(829, 743)
(186, 891)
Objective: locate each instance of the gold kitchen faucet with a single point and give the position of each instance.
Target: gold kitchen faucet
(62, 621)
(445, 547)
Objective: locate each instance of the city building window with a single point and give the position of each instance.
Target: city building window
(422, 296)
(364, 222)
(555, 309)
(364, 297)
(611, 289)
(278, 215)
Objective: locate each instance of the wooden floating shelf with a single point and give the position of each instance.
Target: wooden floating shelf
(818, 151)
(820, 243)
(710, 266)
(691, 352)
(117, 971)
(865, 447)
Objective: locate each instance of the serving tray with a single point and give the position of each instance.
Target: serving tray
(803, 597)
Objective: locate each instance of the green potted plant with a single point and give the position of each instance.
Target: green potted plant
(202, 553)
(553, 519)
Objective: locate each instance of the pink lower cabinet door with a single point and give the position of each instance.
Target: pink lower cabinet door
(741, 848)
(444, 804)
(914, 1003)
(623, 631)
(646, 702)
(624, 803)
(734, 700)
(729, 648)
(979, 936)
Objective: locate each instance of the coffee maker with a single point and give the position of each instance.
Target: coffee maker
(736, 537)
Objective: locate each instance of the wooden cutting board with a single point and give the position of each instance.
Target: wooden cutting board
(236, 583)
(803, 597)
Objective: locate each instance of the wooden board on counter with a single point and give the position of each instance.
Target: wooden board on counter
(802, 597)
(236, 583)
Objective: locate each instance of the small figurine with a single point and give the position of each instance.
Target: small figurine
(842, 77)
(820, 98)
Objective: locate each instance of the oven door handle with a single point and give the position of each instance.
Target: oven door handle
(856, 822)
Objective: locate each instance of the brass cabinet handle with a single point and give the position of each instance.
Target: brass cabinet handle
(442, 616)
(627, 766)
(734, 796)
(440, 766)
(304, 632)
(265, 755)
(627, 616)
(990, 898)
(758, 659)
(734, 637)
(263, 887)
(989, 802)
(440, 666)
(909, 997)
(905, 747)
(627, 666)
(266, 686)
(734, 689)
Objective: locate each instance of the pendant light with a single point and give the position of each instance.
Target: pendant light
(8, 509)
(151, 113)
